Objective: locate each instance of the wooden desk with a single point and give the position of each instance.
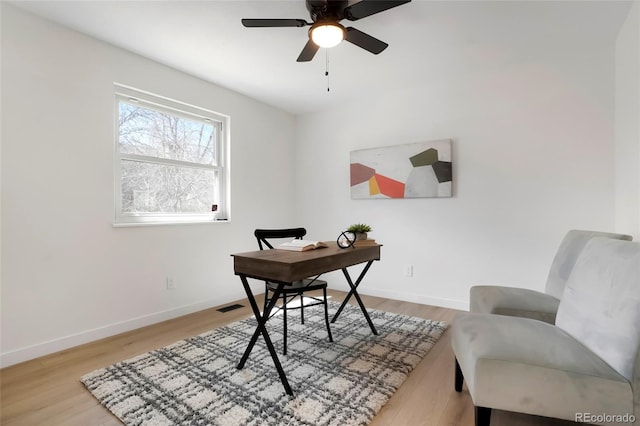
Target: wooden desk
(284, 267)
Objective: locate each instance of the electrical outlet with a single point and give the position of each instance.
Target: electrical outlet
(171, 283)
(408, 271)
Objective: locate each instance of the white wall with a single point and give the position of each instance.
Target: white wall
(533, 157)
(68, 276)
(532, 132)
(627, 125)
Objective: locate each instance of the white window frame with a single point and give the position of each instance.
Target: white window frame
(157, 102)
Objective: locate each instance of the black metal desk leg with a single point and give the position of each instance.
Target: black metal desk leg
(346, 299)
(262, 329)
(354, 292)
(258, 330)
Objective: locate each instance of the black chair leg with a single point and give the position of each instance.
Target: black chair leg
(483, 416)
(459, 379)
(326, 313)
(301, 307)
(266, 297)
(284, 320)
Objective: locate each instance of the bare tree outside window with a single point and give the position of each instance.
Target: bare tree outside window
(169, 160)
(152, 133)
(148, 187)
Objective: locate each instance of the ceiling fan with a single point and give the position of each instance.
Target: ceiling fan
(326, 30)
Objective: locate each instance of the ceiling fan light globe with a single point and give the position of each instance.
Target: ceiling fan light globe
(327, 35)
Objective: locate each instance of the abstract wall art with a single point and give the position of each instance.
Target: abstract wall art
(416, 170)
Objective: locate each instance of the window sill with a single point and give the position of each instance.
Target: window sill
(168, 222)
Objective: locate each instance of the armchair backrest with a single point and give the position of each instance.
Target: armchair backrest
(601, 304)
(264, 235)
(635, 386)
(567, 254)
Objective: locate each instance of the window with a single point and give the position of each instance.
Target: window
(171, 161)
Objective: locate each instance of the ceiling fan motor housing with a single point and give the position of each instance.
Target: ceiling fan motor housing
(326, 10)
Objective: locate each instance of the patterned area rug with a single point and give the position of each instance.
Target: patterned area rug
(195, 381)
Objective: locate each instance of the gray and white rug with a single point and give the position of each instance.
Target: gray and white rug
(195, 381)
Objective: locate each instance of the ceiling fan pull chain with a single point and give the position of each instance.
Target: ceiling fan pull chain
(326, 67)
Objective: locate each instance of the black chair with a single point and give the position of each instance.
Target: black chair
(296, 289)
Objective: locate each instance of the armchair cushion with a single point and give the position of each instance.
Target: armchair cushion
(528, 366)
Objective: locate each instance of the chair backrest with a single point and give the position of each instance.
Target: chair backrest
(567, 254)
(601, 303)
(264, 235)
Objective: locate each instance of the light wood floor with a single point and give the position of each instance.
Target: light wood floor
(47, 391)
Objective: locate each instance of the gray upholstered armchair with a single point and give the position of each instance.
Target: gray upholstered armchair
(520, 302)
(587, 364)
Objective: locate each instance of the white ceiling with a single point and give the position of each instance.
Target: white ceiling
(427, 40)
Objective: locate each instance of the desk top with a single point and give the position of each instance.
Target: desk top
(289, 266)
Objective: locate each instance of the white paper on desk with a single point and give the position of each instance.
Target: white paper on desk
(301, 245)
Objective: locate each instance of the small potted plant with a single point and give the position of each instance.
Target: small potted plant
(359, 230)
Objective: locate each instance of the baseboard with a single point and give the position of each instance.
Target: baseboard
(46, 348)
(462, 305)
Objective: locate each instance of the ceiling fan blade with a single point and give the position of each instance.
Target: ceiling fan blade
(259, 23)
(308, 52)
(365, 41)
(365, 8)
